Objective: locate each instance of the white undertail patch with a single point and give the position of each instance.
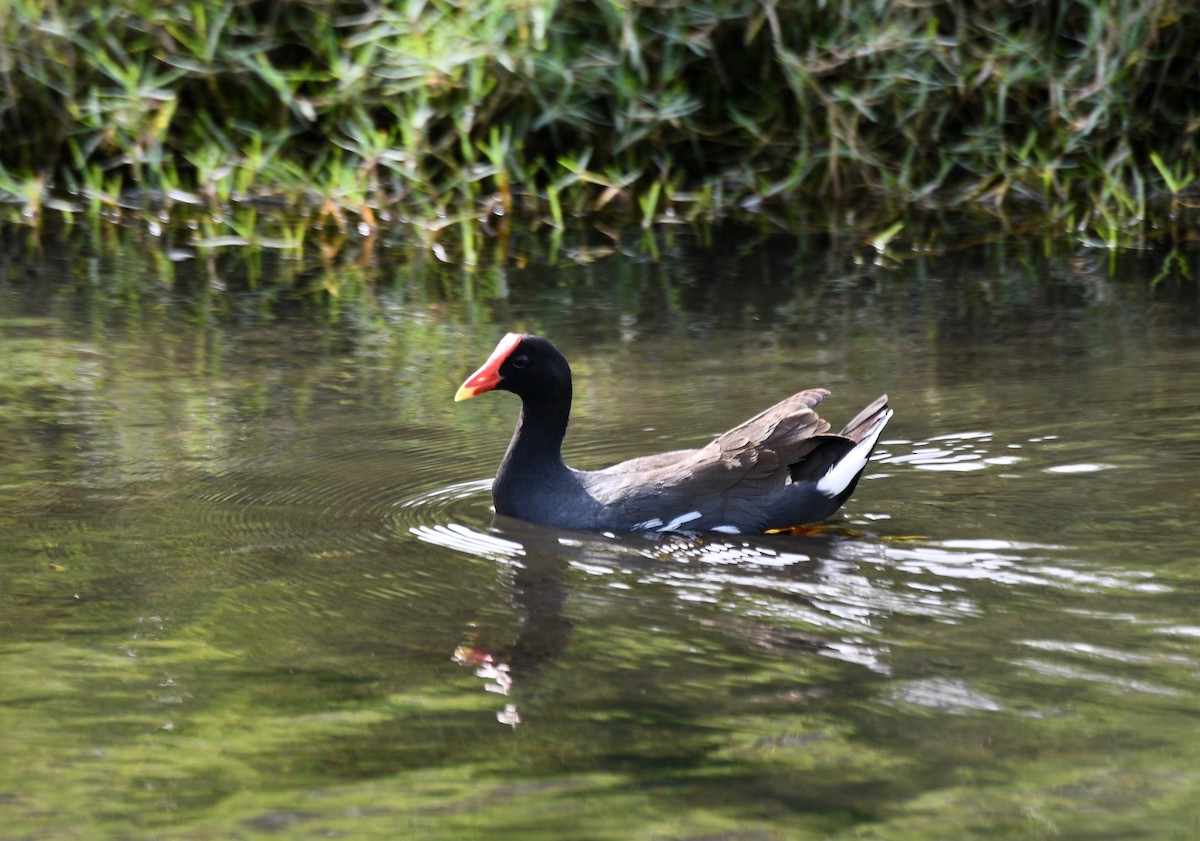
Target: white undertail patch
(681, 519)
(842, 474)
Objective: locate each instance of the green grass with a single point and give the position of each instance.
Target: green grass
(461, 116)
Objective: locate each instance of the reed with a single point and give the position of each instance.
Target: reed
(1082, 113)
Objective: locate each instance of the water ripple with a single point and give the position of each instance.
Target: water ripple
(1012, 563)
(247, 507)
(470, 500)
(464, 539)
(953, 452)
(457, 517)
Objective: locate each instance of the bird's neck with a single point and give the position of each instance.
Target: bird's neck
(535, 452)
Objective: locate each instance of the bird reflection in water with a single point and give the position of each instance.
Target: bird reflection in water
(814, 579)
(537, 591)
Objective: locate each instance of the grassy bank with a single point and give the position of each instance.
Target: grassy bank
(462, 115)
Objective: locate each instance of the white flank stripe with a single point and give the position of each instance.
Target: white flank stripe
(727, 529)
(842, 474)
(646, 525)
(681, 519)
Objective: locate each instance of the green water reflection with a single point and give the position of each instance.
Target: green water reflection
(251, 585)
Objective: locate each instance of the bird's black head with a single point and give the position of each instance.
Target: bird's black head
(527, 365)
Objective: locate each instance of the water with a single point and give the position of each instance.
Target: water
(250, 585)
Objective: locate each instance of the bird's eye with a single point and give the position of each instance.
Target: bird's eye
(519, 361)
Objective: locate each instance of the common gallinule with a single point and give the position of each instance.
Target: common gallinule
(781, 468)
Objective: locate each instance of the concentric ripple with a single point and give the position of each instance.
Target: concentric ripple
(247, 507)
(336, 490)
(456, 517)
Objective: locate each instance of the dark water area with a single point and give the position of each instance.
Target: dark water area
(251, 586)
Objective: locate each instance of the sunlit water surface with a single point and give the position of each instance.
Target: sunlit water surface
(252, 586)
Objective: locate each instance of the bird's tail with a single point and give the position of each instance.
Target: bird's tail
(865, 420)
(839, 481)
(826, 477)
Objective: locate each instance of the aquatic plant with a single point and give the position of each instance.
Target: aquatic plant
(459, 115)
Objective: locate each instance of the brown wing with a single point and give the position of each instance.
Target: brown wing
(736, 468)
